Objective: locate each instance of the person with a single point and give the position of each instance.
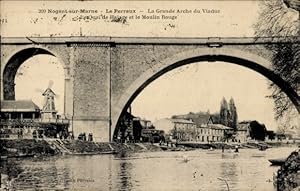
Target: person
(90, 137)
(34, 134)
(119, 139)
(21, 133)
(84, 137)
(223, 147)
(236, 149)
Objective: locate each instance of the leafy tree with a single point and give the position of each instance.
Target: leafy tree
(224, 112)
(281, 18)
(233, 116)
(257, 131)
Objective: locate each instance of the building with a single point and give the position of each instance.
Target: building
(180, 129)
(23, 117)
(21, 110)
(212, 133)
(243, 131)
(18, 118)
(135, 129)
(204, 127)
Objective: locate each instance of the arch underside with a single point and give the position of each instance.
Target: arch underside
(12, 67)
(256, 66)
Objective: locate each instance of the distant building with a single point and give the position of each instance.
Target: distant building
(195, 127)
(146, 124)
(20, 109)
(270, 135)
(252, 129)
(243, 131)
(200, 118)
(132, 128)
(212, 133)
(180, 129)
(23, 117)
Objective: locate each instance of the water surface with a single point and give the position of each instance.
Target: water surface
(205, 170)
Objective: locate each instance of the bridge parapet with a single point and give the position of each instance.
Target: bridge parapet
(147, 40)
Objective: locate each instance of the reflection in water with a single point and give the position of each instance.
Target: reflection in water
(110, 174)
(152, 171)
(125, 177)
(229, 174)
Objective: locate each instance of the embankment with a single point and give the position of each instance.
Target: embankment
(288, 176)
(34, 148)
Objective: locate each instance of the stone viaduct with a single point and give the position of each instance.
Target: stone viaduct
(103, 75)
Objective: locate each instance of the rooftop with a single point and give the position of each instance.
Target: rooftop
(182, 121)
(18, 106)
(216, 126)
(200, 118)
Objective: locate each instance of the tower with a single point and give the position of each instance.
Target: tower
(48, 111)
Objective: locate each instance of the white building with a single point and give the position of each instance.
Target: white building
(191, 131)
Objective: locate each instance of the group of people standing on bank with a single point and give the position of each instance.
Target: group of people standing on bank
(83, 137)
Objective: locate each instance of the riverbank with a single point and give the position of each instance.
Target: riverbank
(19, 148)
(288, 176)
(13, 150)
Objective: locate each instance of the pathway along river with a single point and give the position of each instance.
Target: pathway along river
(205, 170)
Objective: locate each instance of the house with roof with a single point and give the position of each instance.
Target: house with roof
(23, 117)
(207, 127)
(19, 109)
(243, 131)
(179, 129)
(15, 115)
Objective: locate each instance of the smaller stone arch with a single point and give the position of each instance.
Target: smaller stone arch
(229, 55)
(15, 61)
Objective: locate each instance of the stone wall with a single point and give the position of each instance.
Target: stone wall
(91, 91)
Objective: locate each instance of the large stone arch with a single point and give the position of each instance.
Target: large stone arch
(231, 55)
(14, 61)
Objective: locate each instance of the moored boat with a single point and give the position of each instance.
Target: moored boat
(277, 162)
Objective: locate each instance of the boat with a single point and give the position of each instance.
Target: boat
(263, 147)
(163, 147)
(278, 161)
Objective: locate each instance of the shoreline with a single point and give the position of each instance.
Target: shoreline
(12, 151)
(22, 148)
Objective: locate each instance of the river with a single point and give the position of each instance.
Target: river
(205, 170)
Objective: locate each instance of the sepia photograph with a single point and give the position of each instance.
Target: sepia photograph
(150, 95)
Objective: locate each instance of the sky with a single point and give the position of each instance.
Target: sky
(195, 87)
(201, 87)
(190, 88)
(34, 76)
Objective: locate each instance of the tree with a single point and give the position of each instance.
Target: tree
(289, 123)
(281, 18)
(257, 131)
(233, 116)
(224, 112)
